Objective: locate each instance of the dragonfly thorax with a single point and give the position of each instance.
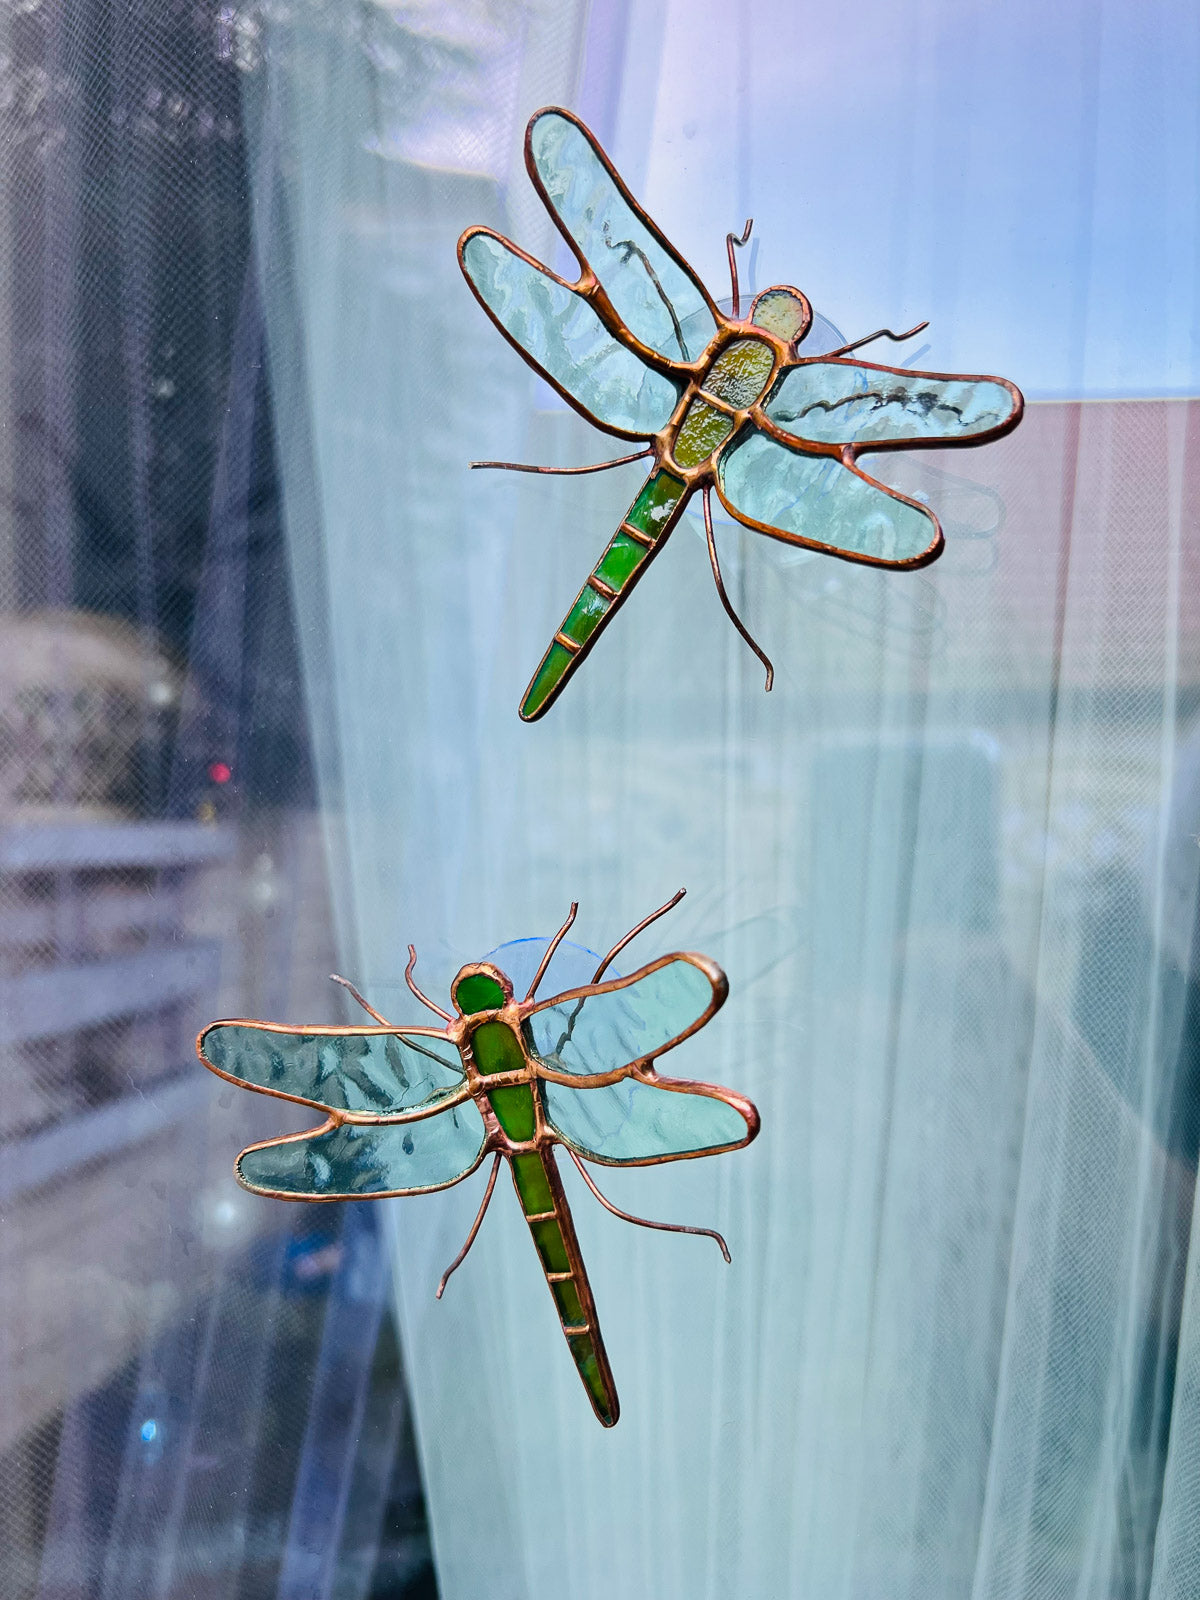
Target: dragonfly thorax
(738, 377)
(743, 366)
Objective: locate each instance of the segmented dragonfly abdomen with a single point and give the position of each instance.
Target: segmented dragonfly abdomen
(647, 522)
(539, 1189)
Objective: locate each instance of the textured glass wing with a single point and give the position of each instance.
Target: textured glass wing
(634, 1121)
(851, 402)
(651, 288)
(557, 331)
(344, 1069)
(817, 500)
(373, 1159)
(630, 1020)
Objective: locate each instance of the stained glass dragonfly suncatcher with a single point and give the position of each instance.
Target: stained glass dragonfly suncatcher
(412, 1110)
(722, 404)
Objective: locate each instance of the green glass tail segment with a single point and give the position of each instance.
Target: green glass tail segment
(540, 1191)
(649, 520)
(496, 1048)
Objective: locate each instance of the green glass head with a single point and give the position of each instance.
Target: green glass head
(782, 311)
(480, 987)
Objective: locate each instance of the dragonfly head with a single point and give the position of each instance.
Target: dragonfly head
(481, 987)
(783, 311)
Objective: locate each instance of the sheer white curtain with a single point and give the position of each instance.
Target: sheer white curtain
(950, 863)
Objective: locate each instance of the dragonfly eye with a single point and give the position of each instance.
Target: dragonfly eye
(782, 311)
(481, 987)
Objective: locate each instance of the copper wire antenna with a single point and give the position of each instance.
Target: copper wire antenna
(732, 240)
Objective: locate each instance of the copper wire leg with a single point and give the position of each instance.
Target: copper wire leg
(550, 949)
(729, 611)
(462, 1254)
(412, 984)
(644, 1222)
(370, 1010)
(880, 333)
(596, 466)
(732, 239)
(633, 933)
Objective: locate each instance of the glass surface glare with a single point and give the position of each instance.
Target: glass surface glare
(585, 614)
(819, 499)
(565, 338)
(655, 504)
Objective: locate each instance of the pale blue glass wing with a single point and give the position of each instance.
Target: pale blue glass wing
(559, 334)
(353, 1159)
(817, 499)
(652, 290)
(636, 1018)
(845, 402)
(632, 1121)
(348, 1069)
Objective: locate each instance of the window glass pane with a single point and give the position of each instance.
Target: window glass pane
(266, 635)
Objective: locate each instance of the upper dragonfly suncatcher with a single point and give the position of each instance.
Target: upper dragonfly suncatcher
(722, 404)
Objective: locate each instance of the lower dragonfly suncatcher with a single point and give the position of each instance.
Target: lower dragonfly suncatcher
(410, 1110)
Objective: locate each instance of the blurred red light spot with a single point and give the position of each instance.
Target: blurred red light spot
(219, 772)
